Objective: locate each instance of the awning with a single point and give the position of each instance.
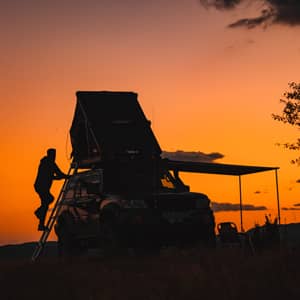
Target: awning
(224, 169)
(215, 168)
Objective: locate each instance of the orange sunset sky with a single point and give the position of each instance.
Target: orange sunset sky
(205, 87)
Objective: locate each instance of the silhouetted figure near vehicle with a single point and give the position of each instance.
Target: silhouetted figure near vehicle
(47, 172)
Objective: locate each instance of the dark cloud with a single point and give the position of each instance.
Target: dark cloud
(221, 4)
(257, 192)
(234, 207)
(285, 12)
(266, 18)
(298, 181)
(290, 208)
(297, 204)
(192, 156)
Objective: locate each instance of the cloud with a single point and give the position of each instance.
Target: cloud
(257, 192)
(272, 12)
(290, 208)
(296, 206)
(221, 4)
(216, 207)
(298, 181)
(266, 18)
(192, 156)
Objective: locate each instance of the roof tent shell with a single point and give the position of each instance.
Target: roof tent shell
(109, 124)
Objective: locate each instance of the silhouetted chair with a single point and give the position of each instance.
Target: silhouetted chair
(228, 233)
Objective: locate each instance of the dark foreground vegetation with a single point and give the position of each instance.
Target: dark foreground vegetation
(175, 274)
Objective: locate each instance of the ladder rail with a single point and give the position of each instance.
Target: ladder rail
(51, 220)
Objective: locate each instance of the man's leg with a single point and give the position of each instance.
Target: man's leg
(41, 212)
(41, 194)
(37, 212)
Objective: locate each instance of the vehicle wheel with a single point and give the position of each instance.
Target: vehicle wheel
(67, 245)
(109, 237)
(64, 243)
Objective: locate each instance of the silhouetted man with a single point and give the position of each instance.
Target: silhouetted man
(47, 172)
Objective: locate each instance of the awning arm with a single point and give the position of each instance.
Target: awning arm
(277, 195)
(241, 204)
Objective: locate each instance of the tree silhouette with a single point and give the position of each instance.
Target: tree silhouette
(291, 114)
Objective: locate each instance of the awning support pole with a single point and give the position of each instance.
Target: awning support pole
(277, 194)
(241, 206)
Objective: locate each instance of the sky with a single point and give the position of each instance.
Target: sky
(208, 74)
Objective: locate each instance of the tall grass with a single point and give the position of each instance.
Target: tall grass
(175, 274)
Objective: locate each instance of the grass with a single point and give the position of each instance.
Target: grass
(175, 274)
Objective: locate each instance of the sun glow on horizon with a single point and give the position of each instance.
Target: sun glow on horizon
(204, 87)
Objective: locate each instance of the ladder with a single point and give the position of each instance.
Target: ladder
(52, 218)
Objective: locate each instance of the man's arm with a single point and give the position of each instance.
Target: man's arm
(58, 174)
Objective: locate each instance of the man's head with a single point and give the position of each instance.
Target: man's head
(51, 153)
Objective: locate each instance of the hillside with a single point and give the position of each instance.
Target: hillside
(24, 251)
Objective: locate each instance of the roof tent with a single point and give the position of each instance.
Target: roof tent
(107, 125)
(225, 169)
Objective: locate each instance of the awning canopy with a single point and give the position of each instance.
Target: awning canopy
(224, 169)
(215, 168)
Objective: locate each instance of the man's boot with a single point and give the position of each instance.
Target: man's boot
(42, 227)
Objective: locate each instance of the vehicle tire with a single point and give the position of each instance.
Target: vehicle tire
(64, 243)
(109, 237)
(67, 245)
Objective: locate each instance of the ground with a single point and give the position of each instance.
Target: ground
(175, 274)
